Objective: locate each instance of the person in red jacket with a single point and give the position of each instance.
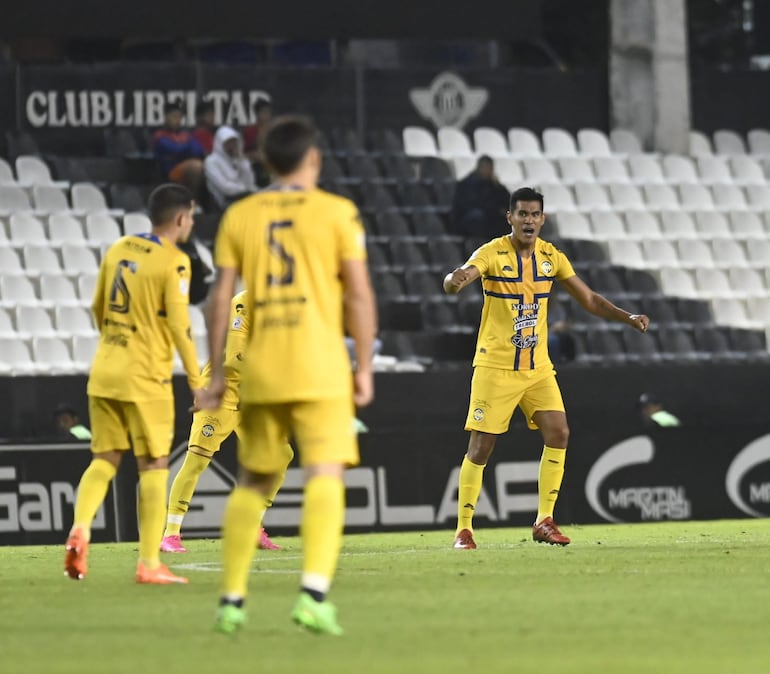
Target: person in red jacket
(179, 154)
(205, 128)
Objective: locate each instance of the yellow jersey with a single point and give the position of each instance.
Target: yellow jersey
(235, 347)
(140, 307)
(513, 334)
(288, 244)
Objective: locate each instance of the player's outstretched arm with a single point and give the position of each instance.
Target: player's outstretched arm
(361, 325)
(456, 280)
(600, 306)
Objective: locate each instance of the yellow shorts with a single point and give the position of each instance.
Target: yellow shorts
(210, 428)
(322, 429)
(496, 393)
(147, 426)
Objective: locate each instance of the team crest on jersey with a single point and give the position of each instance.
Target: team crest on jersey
(184, 286)
(478, 414)
(546, 267)
(237, 323)
(207, 430)
(524, 341)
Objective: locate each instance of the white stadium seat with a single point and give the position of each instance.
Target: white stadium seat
(623, 141)
(732, 312)
(454, 143)
(65, 228)
(32, 170)
(747, 282)
(6, 325)
(25, 228)
(759, 141)
(592, 197)
(136, 223)
(695, 254)
(713, 283)
(58, 290)
(88, 197)
(102, 228)
(729, 198)
(34, 322)
(661, 197)
(677, 283)
(573, 226)
(680, 170)
(677, 225)
(696, 198)
(747, 225)
(15, 357)
(74, 321)
(626, 253)
(50, 199)
(611, 170)
(491, 142)
(40, 260)
(13, 199)
(462, 166)
(10, 263)
(646, 170)
(17, 290)
(627, 197)
(538, 170)
(700, 145)
(747, 171)
(711, 224)
(52, 355)
(728, 142)
(509, 173)
(714, 171)
(641, 225)
(729, 254)
(6, 173)
(576, 170)
(559, 143)
(607, 225)
(759, 197)
(659, 253)
(78, 259)
(593, 143)
(419, 142)
(84, 350)
(524, 143)
(86, 283)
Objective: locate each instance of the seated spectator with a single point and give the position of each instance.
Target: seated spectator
(480, 203)
(228, 173)
(180, 156)
(69, 425)
(205, 128)
(252, 140)
(653, 412)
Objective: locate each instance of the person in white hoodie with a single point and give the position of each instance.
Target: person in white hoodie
(228, 173)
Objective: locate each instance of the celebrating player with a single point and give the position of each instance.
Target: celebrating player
(511, 366)
(301, 252)
(140, 308)
(210, 429)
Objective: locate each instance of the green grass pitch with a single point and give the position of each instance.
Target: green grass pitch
(655, 598)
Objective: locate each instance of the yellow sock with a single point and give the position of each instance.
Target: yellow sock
(182, 489)
(549, 481)
(323, 518)
(279, 482)
(471, 476)
(243, 518)
(152, 510)
(91, 493)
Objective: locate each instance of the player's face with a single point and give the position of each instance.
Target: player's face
(186, 223)
(526, 221)
(174, 119)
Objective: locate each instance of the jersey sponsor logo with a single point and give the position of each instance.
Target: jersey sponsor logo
(524, 322)
(237, 323)
(508, 268)
(546, 267)
(524, 341)
(478, 414)
(652, 502)
(449, 101)
(184, 286)
(502, 252)
(207, 431)
(752, 455)
(529, 306)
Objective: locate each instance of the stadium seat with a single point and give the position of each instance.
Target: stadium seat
(84, 350)
(728, 253)
(640, 346)
(677, 283)
(711, 340)
(34, 322)
(40, 260)
(434, 169)
(428, 224)
(694, 312)
(127, 197)
(677, 343)
(593, 143)
(27, 229)
(490, 142)
(642, 225)
(13, 198)
(463, 166)
(695, 254)
(759, 197)
(64, 228)
(749, 342)
(346, 142)
(627, 198)
(576, 170)
(606, 280)
(32, 171)
(732, 312)
(661, 309)
(659, 253)
(747, 282)
(454, 143)
(678, 225)
(700, 145)
(661, 197)
(559, 143)
(201, 347)
(759, 253)
(509, 173)
(57, 290)
(441, 314)
(573, 226)
(52, 355)
(646, 170)
(714, 171)
(136, 223)
(387, 284)
(197, 320)
(626, 253)
(414, 196)
(15, 357)
(611, 170)
(759, 141)
(386, 142)
(6, 325)
(713, 283)
(363, 167)
(524, 143)
(88, 198)
(747, 171)
(607, 345)
(446, 254)
(607, 226)
(539, 171)
(623, 141)
(680, 170)
(10, 263)
(557, 198)
(86, 283)
(6, 173)
(587, 252)
(50, 199)
(423, 283)
(711, 224)
(729, 198)
(101, 228)
(728, 142)
(419, 142)
(407, 253)
(747, 225)
(642, 282)
(78, 260)
(696, 198)
(759, 309)
(390, 223)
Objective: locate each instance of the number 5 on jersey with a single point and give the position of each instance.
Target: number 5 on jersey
(276, 248)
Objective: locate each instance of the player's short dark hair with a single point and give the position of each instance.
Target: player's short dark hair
(166, 201)
(203, 107)
(172, 106)
(287, 141)
(262, 104)
(525, 194)
(484, 159)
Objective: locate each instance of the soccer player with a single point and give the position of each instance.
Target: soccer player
(302, 256)
(140, 308)
(210, 429)
(511, 366)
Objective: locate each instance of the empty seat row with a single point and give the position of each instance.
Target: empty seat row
(51, 198)
(695, 254)
(60, 228)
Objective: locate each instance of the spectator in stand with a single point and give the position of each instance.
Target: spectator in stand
(480, 203)
(69, 425)
(180, 156)
(253, 136)
(205, 128)
(229, 176)
(653, 412)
